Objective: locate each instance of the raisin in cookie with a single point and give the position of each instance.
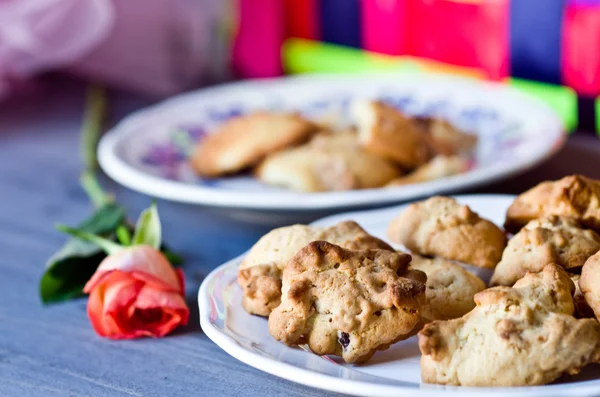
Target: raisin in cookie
(332, 162)
(438, 167)
(551, 239)
(386, 132)
(449, 288)
(243, 141)
(520, 336)
(440, 226)
(259, 274)
(589, 282)
(347, 303)
(574, 196)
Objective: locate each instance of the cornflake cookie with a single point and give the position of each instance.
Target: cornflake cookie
(386, 132)
(440, 226)
(552, 239)
(449, 288)
(328, 163)
(347, 303)
(447, 139)
(589, 282)
(574, 196)
(243, 141)
(438, 167)
(520, 336)
(260, 271)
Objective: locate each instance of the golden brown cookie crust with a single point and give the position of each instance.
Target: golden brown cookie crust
(582, 309)
(346, 303)
(243, 141)
(449, 288)
(520, 336)
(259, 274)
(589, 283)
(440, 226)
(386, 132)
(438, 167)
(551, 239)
(333, 162)
(574, 196)
(446, 139)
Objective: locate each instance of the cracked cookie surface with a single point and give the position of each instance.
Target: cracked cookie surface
(347, 303)
(440, 226)
(520, 336)
(259, 274)
(551, 239)
(574, 196)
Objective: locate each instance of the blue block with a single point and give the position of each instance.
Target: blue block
(535, 39)
(341, 22)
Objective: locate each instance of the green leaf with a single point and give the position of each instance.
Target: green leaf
(123, 235)
(148, 228)
(73, 264)
(107, 245)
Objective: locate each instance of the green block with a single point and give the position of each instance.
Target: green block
(305, 56)
(563, 100)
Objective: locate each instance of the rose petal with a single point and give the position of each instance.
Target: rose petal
(140, 258)
(115, 294)
(173, 305)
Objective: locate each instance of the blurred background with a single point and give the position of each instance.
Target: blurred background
(156, 48)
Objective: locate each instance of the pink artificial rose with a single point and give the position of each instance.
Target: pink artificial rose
(135, 293)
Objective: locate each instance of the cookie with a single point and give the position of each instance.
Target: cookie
(449, 288)
(574, 196)
(386, 132)
(440, 226)
(446, 139)
(582, 309)
(589, 282)
(347, 303)
(551, 239)
(243, 141)
(520, 336)
(438, 167)
(259, 274)
(328, 163)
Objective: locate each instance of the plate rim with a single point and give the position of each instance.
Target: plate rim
(353, 387)
(120, 171)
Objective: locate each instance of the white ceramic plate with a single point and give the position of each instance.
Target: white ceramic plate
(394, 372)
(148, 151)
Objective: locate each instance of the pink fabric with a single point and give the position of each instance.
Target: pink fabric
(384, 26)
(160, 47)
(581, 48)
(36, 35)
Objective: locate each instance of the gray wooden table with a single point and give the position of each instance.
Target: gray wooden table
(53, 351)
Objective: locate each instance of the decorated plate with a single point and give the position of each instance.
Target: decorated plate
(148, 151)
(393, 372)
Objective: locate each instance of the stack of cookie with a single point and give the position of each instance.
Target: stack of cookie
(344, 292)
(385, 148)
